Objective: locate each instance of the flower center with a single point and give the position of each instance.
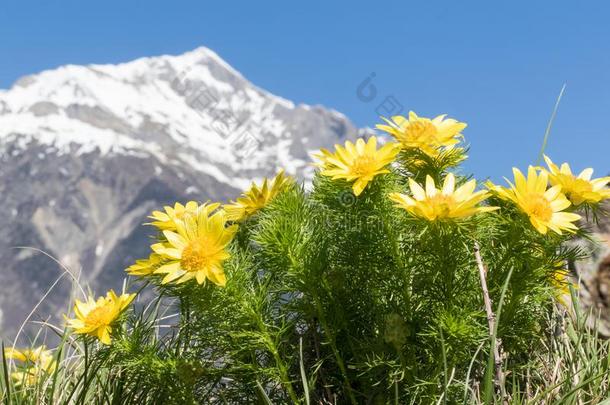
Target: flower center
(540, 207)
(100, 315)
(423, 131)
(197, 254)
(577, 186)
(442, 204)
(31, 356)
(363, 165)
(181, 215)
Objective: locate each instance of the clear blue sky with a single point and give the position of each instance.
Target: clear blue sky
(498, 66)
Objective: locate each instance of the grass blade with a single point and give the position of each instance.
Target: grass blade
(547, 132)
(7, 381)
(263, 393)
(303, 374)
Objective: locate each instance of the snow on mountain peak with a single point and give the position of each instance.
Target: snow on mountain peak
(191, 108)
(86, 152)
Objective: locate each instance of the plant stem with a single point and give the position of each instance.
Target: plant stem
(281, 366)
(284, 375)
(316, 342)
(333, 346)
(491, 320)
(398, 256)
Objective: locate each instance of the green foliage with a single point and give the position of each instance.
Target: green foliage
(333, 298)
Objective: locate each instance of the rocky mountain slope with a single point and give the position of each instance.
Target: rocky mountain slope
(87, 151)
(593, 275)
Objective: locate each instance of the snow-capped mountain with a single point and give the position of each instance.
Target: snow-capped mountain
(87, 151)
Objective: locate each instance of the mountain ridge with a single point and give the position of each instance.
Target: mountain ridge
(87, 151)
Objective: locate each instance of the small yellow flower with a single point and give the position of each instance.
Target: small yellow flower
(442, 204)
(561, 281)
(35, 363)
(579, 189)
(197, 249)
(167, 220)
(145, 267)
(27, 377)
(95, 318)
(545, 208)
(358, 163)
(257, 197)
(428, 135)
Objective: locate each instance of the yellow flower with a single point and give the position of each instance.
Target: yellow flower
(27, 377)
(442, 204)
(579, 189)
(167, 220)
(38, 355)
(545, 208)
(95, 318)
(428, 135)
(145, 267)
(257, 197)
(197, 249)
(560, 279)
(358, 163)
(36, 363)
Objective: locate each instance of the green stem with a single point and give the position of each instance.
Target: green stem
(284, 374)
(86, 360)
(281, 366)
(400, 262)
(333, 346)
(186, 326)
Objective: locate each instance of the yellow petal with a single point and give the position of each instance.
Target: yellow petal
(449, 184)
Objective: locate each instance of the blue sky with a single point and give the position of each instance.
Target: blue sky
(498, 66)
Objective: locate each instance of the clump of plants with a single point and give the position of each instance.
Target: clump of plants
(393, 279)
